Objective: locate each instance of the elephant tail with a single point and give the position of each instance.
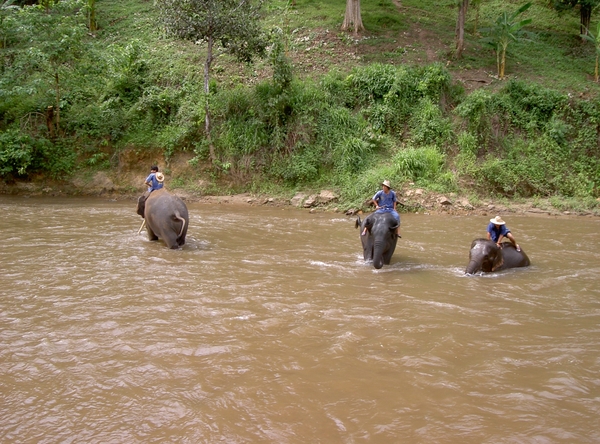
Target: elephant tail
(178, 216)
(358, 222)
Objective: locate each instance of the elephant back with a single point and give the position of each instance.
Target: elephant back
(163, 201)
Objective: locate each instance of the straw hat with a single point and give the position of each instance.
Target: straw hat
(386, 183)
(497, 221)
(160, 177)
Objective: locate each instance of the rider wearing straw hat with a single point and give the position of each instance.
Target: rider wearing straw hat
(385, 202)
(497, 229)
(155, 180)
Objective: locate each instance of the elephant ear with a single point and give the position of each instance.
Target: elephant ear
(498, 260)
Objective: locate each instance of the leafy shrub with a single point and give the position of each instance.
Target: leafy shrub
(158, 104)
(558, 130)
(127, 71)
(335, 123)
(476, 109)
(419, 164)
(383, 117)
(351, 155)
(466, 158)
(59, 158)
(428, 126)
(337, 89)
(17, 152)
(433, 81)
(356, 189)
(282, 66)
(372, 82)
(530, 105)
(300, 167)
(21, 154)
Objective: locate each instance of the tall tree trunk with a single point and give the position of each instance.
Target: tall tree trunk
(207, 128)
(596, 70)
(50, 121)
(57, 90)
(585, 16)
(460, 27)
(477, 8)
(498, 61)
(353, 19)
(92, 25)
(502, 63)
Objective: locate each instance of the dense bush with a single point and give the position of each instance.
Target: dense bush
(21, 154)
(529, 141)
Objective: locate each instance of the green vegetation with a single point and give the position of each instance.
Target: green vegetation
(322, 109)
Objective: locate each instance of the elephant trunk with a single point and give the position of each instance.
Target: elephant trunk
(473, 267)
(378, 255)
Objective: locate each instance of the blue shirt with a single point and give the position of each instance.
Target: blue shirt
(496, 232)
(386, 203)
(155, 184)
(385, 200)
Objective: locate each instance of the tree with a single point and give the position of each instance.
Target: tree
(47, 4)
(585, 11)
(352, 18)
(477, 5)
(460, 27)
(505, 30)
(224, 26)
(56, 39)
(7, 10)
(595, 39)
(91, 15)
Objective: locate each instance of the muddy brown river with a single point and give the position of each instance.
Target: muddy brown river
(268, 327)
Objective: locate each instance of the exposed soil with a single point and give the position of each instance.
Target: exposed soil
(126, 183)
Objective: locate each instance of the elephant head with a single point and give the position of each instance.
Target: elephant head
(485, 255)
(141, 205)
(379, 241)
(166, 218)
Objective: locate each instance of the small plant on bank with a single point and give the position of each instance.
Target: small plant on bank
(595, 39)
(505, 29)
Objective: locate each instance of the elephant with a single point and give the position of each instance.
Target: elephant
(166, 217)
(379, 242)
(486, 256)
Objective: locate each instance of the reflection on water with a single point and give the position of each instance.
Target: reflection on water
(268, 327)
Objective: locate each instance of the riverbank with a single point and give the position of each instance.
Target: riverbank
(412, 199)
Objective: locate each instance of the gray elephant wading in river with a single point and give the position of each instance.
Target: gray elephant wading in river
(380, 240)
(166, 218)
(486, 256)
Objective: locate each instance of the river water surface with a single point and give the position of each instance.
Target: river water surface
(268, 327)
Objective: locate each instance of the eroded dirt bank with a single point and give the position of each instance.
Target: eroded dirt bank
(128, 186)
